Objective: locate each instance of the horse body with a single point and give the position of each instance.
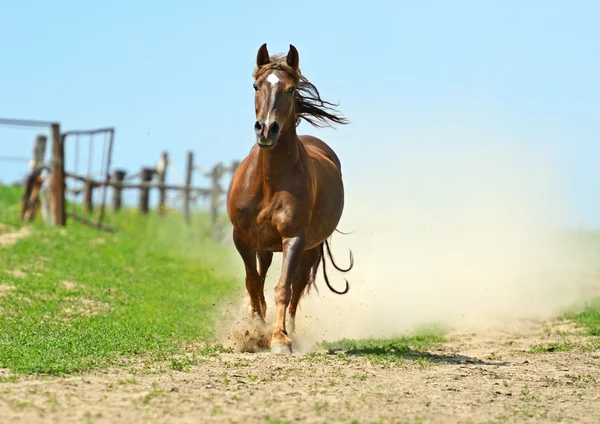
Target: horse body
(273, 196)
(287, 195)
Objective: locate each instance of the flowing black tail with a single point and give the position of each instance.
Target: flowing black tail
(326, 244)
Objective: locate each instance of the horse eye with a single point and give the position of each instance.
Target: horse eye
(291, 89)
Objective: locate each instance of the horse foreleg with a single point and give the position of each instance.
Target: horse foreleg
(253, 280)
(293, 249)
(265, 258)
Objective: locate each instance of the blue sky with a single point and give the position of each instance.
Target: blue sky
(177, 75)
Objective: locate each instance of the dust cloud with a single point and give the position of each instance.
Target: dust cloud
(451, 227)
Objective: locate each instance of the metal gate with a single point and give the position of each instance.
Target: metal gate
(82, 179)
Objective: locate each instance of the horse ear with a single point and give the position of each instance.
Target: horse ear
(262, 57)
(292, 58)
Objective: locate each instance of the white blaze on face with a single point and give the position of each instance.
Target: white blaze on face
(272, 79)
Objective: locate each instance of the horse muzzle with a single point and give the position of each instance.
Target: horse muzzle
(266, 137)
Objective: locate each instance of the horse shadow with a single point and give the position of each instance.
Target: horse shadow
(394, 353)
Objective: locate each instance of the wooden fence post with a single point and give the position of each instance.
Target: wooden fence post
(117, 178)
(146, 175)
(39, 152)
(188, 183)
(58, 176)
(33, 182)
(88, 196)
(161, 173)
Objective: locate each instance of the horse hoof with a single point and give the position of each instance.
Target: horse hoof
(281, 349)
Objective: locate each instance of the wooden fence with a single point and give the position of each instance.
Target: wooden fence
(60, 182)
(154, 178)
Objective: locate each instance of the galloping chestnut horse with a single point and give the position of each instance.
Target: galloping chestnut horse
(287, 195)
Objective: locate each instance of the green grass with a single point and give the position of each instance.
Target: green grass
(78, 299)
(10, 206)
(413, 346)
(563, 346)
(588, 317)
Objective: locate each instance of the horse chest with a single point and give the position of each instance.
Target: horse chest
(267, 220)
(257, 222)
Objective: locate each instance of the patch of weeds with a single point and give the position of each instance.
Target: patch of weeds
(51, 400)
(500, 419)
(525, 412)
(270, 420)
(121, 382)
(213, 350)
(22, 405)
(493, 357)
(153, 394)
(13, 378)
(183, 364)
(580, 379)
(240, 363)
(89, 416)
(253, 378)
(588, 317)
(320, 407)
(591, 345)
(551, 382)
(383, 351)
(424, 362)
(340, 356)
(526, 395)
(531, 411)
(563, 346)
(216, 410)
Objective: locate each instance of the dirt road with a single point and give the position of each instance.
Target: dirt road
(492, 377)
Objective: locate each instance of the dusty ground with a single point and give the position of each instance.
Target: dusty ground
(492, 377)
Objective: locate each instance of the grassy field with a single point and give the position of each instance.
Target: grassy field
(75, 299)
(144, 300)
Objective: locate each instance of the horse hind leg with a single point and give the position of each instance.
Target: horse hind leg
(305, 276)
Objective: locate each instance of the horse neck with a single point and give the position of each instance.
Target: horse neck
(279, 161)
